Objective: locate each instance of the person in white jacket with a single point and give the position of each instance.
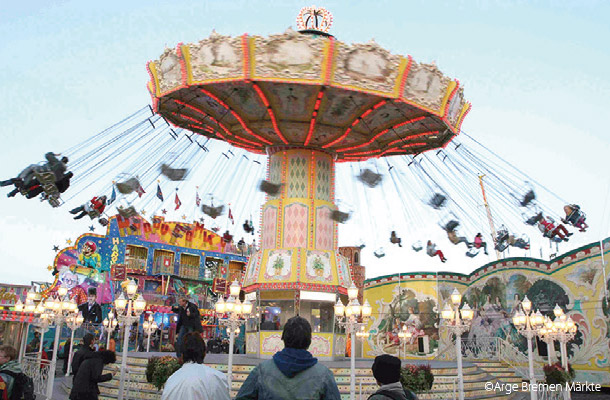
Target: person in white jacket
(194, 380)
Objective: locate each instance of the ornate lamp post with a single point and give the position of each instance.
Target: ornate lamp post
(73, 322)
(348, 317)
(362, 334)
(230, 314)
(149, 326)
(527, 323)
(110, 323)
(404, 335)
(58, 311)
(547, 334)
(458, 321)
(565, 329)
(128, 311)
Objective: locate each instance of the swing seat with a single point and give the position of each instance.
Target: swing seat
(93, 214)
(534, 219)
(103, 221)
(272, 189)
(339, 216)
(212, 211)
(451, 225)
(529, 196)
(522, 243)
(417, 246)
(248, 228)
(128, 186)
(473, 252)
(128, 212)
(437, 201)
(576, 217)
(173, 174)
(370, 178)
(379, 252)
(501, 246)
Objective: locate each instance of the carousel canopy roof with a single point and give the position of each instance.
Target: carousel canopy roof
(357, 101)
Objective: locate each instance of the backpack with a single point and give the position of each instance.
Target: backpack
(23, 388)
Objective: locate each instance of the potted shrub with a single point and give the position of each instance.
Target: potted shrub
(159, 369)
(556, 374)
(417, 378)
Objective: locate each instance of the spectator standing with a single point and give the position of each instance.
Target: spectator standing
(386, 370)
(194, 380)
(90, 374)
(84, 351)
(189, 320)
(16, 385)
(293, 373)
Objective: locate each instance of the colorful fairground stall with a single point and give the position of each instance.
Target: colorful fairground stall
(167, 259)
(12, 323)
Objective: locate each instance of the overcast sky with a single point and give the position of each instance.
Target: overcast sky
(535, 72)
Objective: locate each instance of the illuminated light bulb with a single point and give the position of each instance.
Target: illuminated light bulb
(220, 306)
(246, 307)
(339, 308)
(527, 304)
(120, 303)
(352, 291)
(235, 288)
(447, 312)
(456, 297)
(366, 309)
(467, 312)
(19, 306)
(558, 311)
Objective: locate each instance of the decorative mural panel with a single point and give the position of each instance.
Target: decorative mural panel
(217, 57)
(269, 226)
(271, 344)
(279, 265)
(574, 281)
(366, 65)
(289, 55)
(318, 266)
(252, 271)
(324, 228)
(169, 70)
(321, 345)
(323, 172)
(408, 307)
(340, 344)
(343, 270)
(456, 105)
(426, 85)
(252, 343)
(297, 180)
(275, 171)
(295, 225)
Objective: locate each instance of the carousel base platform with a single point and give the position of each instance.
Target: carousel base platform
(476, 375)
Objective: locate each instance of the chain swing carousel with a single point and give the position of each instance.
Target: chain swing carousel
(308, 101)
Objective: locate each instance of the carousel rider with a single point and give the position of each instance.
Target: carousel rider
(549, 230)
(478, 242)
(575, 217)
(432, 251)
(27, 176)
(395, 239)
(96, 205)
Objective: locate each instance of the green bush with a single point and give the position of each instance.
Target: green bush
(417, 378)
(159, 369)
(555, 374)
(150, 368)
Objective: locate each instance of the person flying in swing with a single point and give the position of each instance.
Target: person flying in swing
(575, 217)
(94, 208)
(395, 239)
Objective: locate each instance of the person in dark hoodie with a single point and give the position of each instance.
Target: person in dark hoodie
(293, 373)
(90, 374)
(386, 370)
(84, 351)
